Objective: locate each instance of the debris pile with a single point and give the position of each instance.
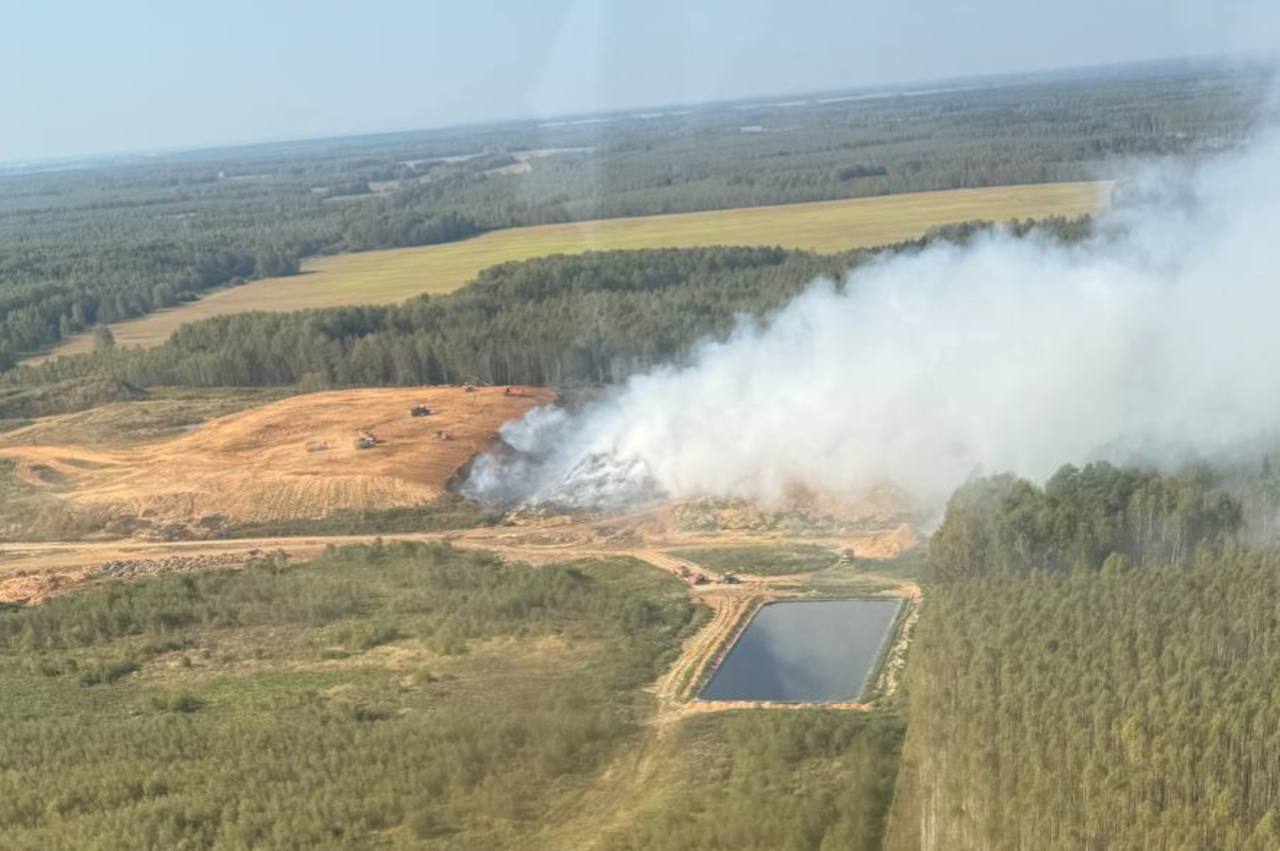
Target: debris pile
(133, 568)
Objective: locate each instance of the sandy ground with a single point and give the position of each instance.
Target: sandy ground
(294, 458)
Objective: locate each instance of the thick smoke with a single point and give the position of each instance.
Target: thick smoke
(1161, 334)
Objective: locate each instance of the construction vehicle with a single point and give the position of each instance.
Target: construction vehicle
(419, 411)
(366, 440)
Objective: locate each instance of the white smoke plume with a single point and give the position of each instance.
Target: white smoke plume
(1008, 354)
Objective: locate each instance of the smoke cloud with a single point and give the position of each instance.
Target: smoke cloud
(1159, 335)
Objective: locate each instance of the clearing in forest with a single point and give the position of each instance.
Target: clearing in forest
(391, 276)
(294, 458)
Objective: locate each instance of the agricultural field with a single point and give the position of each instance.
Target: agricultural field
(390, 276)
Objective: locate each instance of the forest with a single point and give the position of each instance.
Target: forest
(560, 321)
(1094, 668)
(1115, 708)
(103, 241)
(1090, 517)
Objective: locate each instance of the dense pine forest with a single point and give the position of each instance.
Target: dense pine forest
(1125, 708)
(1100, 515)
(95, 242)
(1095, 668)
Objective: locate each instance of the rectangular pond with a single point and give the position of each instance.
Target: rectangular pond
(818, 651)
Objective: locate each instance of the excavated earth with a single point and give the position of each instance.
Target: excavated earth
(295, 458)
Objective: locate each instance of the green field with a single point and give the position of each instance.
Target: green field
(386, 277)
(763, 559)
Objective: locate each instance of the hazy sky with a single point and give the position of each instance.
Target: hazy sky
(88, 76)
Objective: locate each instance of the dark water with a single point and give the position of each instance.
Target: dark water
(805, 651)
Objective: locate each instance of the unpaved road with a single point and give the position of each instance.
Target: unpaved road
(31, 571)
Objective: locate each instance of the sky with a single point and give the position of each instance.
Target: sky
(88, 77)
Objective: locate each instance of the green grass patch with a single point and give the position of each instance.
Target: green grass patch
(764, 559)
(447, 512)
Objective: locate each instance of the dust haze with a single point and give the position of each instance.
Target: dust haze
(1156, 338)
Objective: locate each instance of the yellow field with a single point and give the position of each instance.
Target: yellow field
(383, 277)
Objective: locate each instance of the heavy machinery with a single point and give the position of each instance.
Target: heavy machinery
(419, 411)
(366, 440)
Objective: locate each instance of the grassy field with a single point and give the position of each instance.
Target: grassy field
(383, 277)
(763, 559)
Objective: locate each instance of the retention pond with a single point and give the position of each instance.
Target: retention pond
(805, 652)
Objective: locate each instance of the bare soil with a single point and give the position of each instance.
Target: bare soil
(294, 458)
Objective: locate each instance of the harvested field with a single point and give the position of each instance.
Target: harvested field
(386, 277)
(294, 458)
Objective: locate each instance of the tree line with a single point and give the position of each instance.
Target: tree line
(594, 318)
(1083, 517)
(89, 246)
(1094, 667)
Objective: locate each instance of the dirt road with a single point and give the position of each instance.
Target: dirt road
(32, 571)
